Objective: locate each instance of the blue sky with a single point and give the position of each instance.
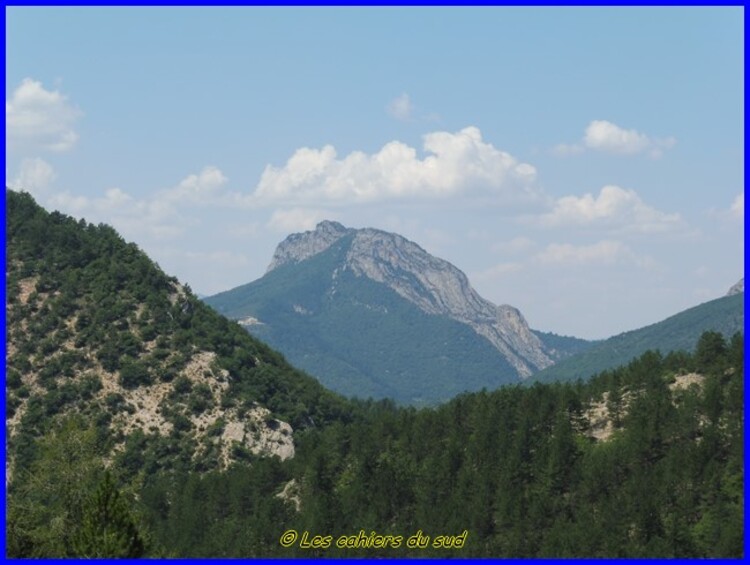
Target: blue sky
(582, 164)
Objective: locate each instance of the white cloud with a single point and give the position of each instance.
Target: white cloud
(401, 107)
(602, 252)
(605, 136)
(606, 252)
(115, 198)
(201, 188)
(566, 256)
(614, 207)
(158, 216)
(70, 203)
(729, 217)
(34, 176)
(738, 206)
(39, 118)
(454, 163)
(296, 219)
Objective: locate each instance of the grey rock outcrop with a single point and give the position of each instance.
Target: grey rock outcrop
(432, 284)
(737, 288)
(300, 246)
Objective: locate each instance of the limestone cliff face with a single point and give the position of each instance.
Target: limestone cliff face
(434, 285)
(737, 288)
(300, 246)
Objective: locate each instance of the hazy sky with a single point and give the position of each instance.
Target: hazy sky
(582, 164)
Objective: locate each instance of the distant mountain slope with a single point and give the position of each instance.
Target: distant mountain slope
(373, 314)
(435, 286)
(678, 332)
(563, 346)
(360, 337)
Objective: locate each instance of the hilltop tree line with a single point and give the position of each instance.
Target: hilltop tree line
(513, 467)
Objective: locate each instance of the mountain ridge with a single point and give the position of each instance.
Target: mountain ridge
(322, 284)
(433, 284)
(680, 331)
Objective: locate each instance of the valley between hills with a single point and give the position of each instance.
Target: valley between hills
(360, 385)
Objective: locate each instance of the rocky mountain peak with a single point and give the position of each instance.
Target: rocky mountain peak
(433, 284)
(438, 287)
(300, 246)
(330, 226)
(737, 288)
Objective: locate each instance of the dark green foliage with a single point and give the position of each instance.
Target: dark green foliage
(181, 423)
(201, 399)
(108, 528)
(182, 386)
(13, 379)
(234, 513)
(709, 350)
(514, 467)
(134, 374)
(56, 505)
(563, 346)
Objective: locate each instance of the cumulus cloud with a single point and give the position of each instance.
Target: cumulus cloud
(602, 252)
(70, 203)
(153, 217)
(605, 252)
(605, 136)
(40, 118)
(160, 216)
(453, 163)
(201, 188)
(34, 176)
(401, 107)
(566, 262)
(296, 219)
(738, 206)
(614, 207)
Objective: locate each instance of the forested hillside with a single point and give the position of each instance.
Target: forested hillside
(642, 461)
(100, 341)
(141, 423)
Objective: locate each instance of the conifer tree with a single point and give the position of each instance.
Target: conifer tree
(108, 528)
